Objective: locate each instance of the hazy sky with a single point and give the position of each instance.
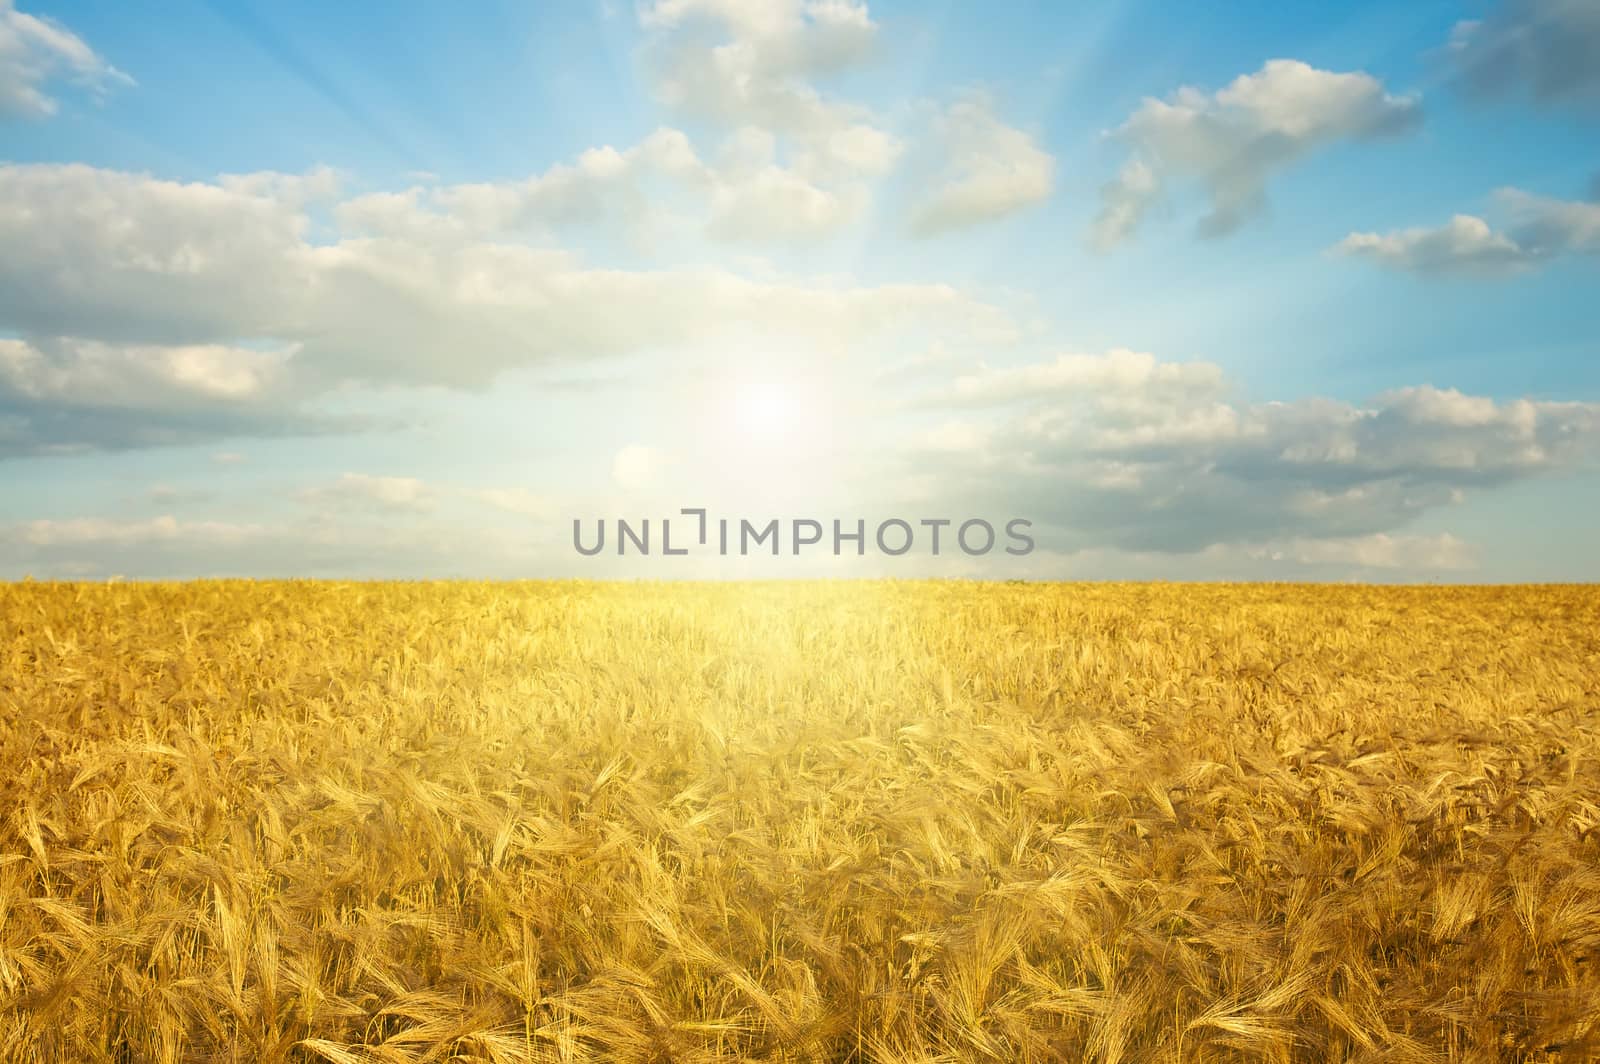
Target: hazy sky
(1270, 291)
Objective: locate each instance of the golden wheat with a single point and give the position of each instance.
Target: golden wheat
(886, 822)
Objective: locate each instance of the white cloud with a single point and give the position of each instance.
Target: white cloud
(122, 257)
(1124, 452)
(993, 171)
(1380, 550)
(173, 495)
(150, 294)
(753, 64)
(1553, 227)
(744, 63)
(37, 52)
(320, 184)
(1119, 370)
(94, 531)
(1549, 49)
(1118, 456)
(91, 372)
(1124, 202)
(109, 255)
(757, 200)
(339, 544)
(365, 490)
(519, 501)
(1539, 230)
(656, 187)
(415, 496)
(169, 547)
(65, 394)
(1232, 141)
(603, 184)
(796, 165)
(1379, 558)
(1465, 244)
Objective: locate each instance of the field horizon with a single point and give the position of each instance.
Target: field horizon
(885, 820)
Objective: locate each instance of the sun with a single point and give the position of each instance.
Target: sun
(765, 412)
(765, 435)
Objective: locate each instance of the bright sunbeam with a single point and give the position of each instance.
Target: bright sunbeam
(767, 432)
(765, 412)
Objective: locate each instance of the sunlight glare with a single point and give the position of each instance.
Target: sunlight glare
(764, 412)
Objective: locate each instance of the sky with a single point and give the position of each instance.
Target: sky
(1284, 291)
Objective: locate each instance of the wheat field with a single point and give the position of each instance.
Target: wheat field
(858, 821)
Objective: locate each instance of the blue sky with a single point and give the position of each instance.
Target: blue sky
(1295, 291)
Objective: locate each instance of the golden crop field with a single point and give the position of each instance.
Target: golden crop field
(798, 822)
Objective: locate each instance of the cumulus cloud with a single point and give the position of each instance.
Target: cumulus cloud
(755, 199)
(1231, 142)
(747, 62)
(64, 394)
(747, 67)
(1119, 370)
(174, 495)
(603, 184)
(357, 525)
(1123, 452)
(778, 204)
(169, 547)
(1546, 49)
(95, 531)
(412, 495)
(367, 491)
(109, 255)
(149, 311)
(1441, 553)
(519, 501)
(124, 257)
(993, 171)
(35, 54)
(1551, 226)
(795, 164)
(318, 185)
(1119, 459)
(1539, 230)
(340, 543)
(659, 186)
(144, 294)
(1465, 244)
(1378, 558)
(136, 375)
(1124, 202)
